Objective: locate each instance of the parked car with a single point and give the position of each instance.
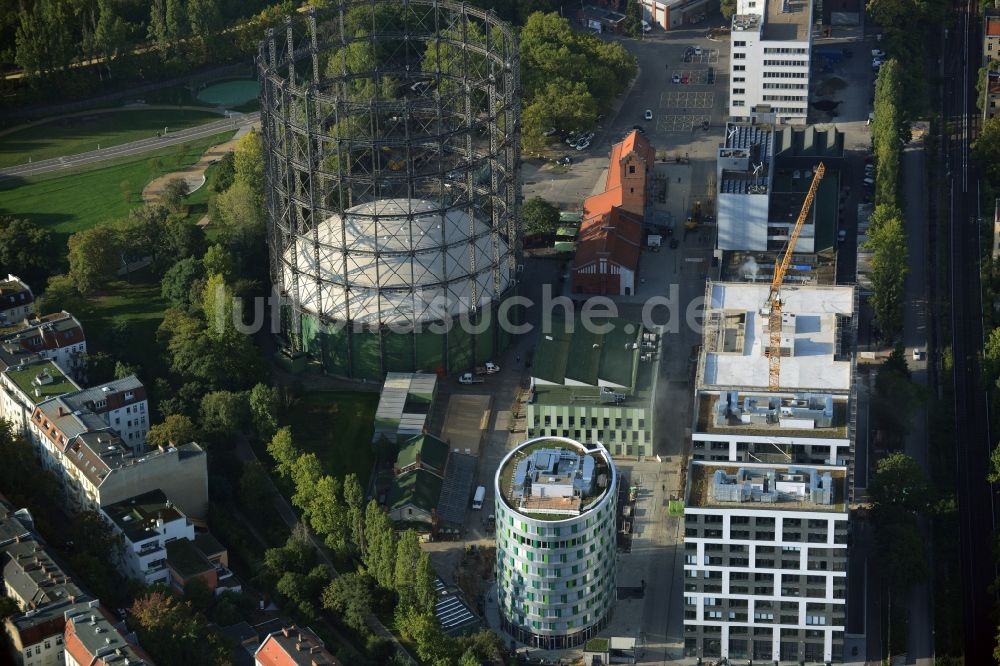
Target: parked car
(583, 145)
(648, 115)
(685, 79)
(917, 353)
(551, 132)
(676, 78)
(697, 50)
(878, 53)
(588, 136)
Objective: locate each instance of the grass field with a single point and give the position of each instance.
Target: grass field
(68, 202)
(80, 134)
(337, 426)
(135, 301)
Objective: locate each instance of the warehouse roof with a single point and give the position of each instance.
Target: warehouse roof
(582, 356)
(430, 450)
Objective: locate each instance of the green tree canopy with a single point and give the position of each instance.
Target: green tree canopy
(94, 258)
(25, 250)
(380, 540)
(901, 482)
(350, 596)
(539, 217)
(176, 429)
(175, 286)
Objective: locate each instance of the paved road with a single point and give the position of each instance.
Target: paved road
(972, 438)
(132, 148)
(920, 642)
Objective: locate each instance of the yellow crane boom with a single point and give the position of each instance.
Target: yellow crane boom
(773, 304)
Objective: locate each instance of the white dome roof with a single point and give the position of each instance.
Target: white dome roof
(405, 259)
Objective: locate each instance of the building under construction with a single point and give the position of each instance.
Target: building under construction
(391, 157)
(772, 475)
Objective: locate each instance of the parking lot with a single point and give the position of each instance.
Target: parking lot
(708, 56)
(681, 122)
(687, 99)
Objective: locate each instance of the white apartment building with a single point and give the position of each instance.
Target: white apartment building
(121, 404)
(26, 384)
(555, 527)
(57, 337)
(765, 572)
(770, 58)
(147, 523)
(17, 301)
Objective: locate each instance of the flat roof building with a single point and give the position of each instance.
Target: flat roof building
(765, 573)
(771, 55)
(147, 522)
(771, 477)
(403, 406)
(596, 387)
(556, 576)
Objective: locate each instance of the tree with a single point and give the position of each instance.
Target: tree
(255, 488)
(901, 547)
(112, 33)
(25, 250)
(422, 628)
(407, 557)
(175, 287)
(562, 103)
(179, 239)
(206, 23)
(297, 555)
(248, 163)
(381, 544)
(173, 632)
(539, 217)
(240, 214)
(225, 171)
(889, 267)
(61, 294)
(986, 148)
(424, 585)
(173, 195)
(283, 451)
(175, 16)
(264, 410)
(175, 430)
(354, 504)
(901, 482)
(327, 515)
(157, 30)
(728, 8)
(306, 473)
(350, 596)
(124, 369)
(218, 261)
(224, 413)
(993, 476)
(94, 258)
(8, 607)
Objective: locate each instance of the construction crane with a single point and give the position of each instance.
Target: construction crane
(772, 308)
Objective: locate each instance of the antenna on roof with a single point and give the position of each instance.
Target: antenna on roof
(732, 132)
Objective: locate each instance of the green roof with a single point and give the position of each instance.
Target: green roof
(568, 231)
(432, 451)
(588, 357)
(570, 216)
(419, 488)
(60, 384)
(186, 559)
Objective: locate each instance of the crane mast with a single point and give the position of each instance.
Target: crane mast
(773, 305)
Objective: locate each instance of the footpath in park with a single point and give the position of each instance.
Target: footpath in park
(194, 175)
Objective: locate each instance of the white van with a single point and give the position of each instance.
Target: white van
(477, 500)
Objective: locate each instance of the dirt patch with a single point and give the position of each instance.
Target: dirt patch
(830, 86)
(475, 570)
(154, 189)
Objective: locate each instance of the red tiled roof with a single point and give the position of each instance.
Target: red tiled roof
(293, 647)
(616, 236)
(993, 26)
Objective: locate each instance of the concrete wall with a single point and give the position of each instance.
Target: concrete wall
(183, 478)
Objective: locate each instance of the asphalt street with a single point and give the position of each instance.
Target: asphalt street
(139, 147)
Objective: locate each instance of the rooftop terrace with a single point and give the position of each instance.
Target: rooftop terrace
(767, 487)
(767, 420)
(546, 488)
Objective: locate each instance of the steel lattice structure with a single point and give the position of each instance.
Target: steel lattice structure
(391, 151)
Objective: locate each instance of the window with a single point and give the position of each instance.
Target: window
(739, 68)
(739, 43)
(739, 102)
(739, 56)
(631, 168)
(736, 91)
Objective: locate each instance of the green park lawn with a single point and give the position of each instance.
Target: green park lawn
(79, 134)
(337, 426)
(68, 202)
